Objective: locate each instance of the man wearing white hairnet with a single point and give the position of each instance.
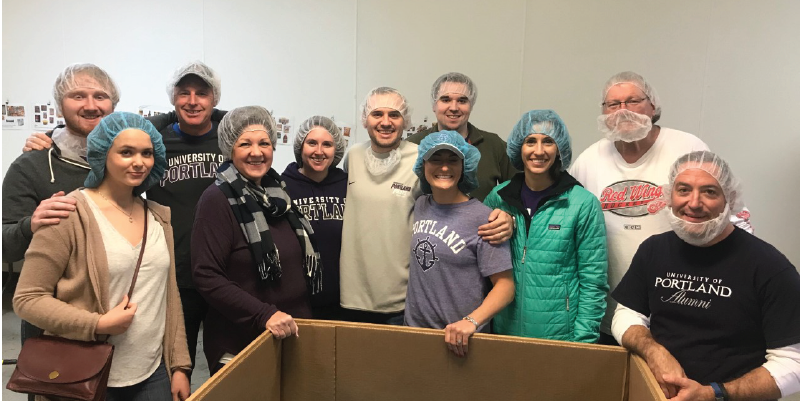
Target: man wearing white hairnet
(193, 155)
(626, 171)
(377, 224)
(712, 309)
(452, 98)
(36, 182)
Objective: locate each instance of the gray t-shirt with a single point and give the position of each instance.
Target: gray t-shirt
(450, 264)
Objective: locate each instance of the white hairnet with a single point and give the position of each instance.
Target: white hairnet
(326, 124)
(236, 120)
(203, 71)
(73, 77)
(454, 82)
(716, 167)
(700, 234)
(629, 77)
(386, 97)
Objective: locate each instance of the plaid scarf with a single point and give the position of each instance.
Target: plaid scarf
(250, 203)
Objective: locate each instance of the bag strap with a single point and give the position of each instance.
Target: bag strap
(141, 253)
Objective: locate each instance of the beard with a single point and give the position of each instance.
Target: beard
(624, 125)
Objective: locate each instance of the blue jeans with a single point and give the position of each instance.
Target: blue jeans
(154, 388)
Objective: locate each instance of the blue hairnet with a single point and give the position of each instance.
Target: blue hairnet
(545, 122)
(454, 142)
(102, 137)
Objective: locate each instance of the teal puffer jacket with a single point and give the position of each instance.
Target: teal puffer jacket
(559, 263)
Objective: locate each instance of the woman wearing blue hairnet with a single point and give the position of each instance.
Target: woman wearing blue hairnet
(559, 244)
(457, 281)
(253, 256)
(91, 256)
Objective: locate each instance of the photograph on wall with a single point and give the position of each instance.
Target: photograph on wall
(45, 117)
(415, 128)
(284, 126)
(15, 117)
(346, 130)
(150, 111)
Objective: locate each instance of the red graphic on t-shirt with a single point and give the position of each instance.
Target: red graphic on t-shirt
(632, 198)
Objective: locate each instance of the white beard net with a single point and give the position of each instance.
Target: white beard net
(624, 125)
(699, 234)
(72, 146)
(381, 163)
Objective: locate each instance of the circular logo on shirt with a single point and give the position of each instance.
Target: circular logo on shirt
(424, 253)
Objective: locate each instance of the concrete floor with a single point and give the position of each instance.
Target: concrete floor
(11, 346)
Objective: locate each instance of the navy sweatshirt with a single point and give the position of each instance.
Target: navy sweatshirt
(323, 204)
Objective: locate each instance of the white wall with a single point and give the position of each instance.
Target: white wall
(726, 70)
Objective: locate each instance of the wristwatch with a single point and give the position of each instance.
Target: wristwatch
(720, 391)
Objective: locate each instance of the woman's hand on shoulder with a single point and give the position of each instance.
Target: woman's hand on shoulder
(282, 325)
(179, 385)
(118, 319)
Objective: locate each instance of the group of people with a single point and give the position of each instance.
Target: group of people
(454, 229)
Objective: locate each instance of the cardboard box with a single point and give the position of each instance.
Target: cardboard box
(338, 361)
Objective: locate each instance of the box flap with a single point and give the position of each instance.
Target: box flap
(642, 384)
(254, 374)
(308, 363)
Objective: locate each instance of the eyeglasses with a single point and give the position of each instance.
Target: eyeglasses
(614, 105)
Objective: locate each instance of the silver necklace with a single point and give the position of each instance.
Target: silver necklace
(130, 215)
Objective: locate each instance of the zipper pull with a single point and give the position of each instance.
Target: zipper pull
(567, 302)
(524, 255)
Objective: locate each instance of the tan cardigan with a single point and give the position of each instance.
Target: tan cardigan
(69, 260)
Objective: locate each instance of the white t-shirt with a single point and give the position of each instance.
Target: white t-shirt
(137, 351)
(626, 192)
